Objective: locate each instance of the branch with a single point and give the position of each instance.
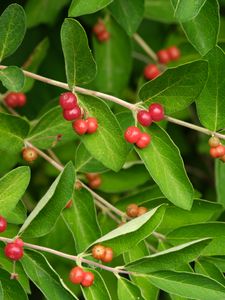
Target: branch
(139, 40)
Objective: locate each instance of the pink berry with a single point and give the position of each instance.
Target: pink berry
(143, 141)
(92, 125)
(76, 275)
(99, 27)
(88, 279)
(3, 224)
(163, 56)
(13, 251)
(80, 126)
(72, 114)
(156, 111)
(68, 100)
(144, 118)
(19, 242)
(132, 134)
(218, 151)
(174, 53)
(151, 71)
(103, 36)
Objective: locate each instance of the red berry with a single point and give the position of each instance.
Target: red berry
(217, 152)
(132, 210)
(144, 118)
(132, 134)
(91, 176)
(76, 275)
(99, 27)
(103, 36)
(108, 256)
(92, 124)
(151, 71)
(72, 114)
(163, 56)
(29, 154)
(156, 111)
(80, 126)
(15, 99)
(88, 279)
(95, 183)
(142, 210)
(69, 203)
(68, 100)
(13, 251)
(143, 141)
(21, 99)
(19, 242)
(3, 224)
(174, 53)
(214, 141)
(98, 251)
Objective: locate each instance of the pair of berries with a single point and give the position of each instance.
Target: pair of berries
(101, 32)
(29, 154)
(169, 54)
(94, 180)
(15, 99)
(72, 111)
(217, 150)
(3, 224)
(79, 276)
(134, 211)
(105, 254)
(134, 135)
(155, 113)
(14, 250)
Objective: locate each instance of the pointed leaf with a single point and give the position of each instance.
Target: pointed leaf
(210, 270)
(126, 289)
(177, 87)
(44, 216)
(80, 65)
(79, 7)
(12, 78)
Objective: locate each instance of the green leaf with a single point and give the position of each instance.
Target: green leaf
(202, 31)
(34, 61)
(113, 59)
(44, 216)
(188, 285)
(107, 145)
(43, 11)
(130, 234)
(18, 215)
(12, 187)
(210, 103)
(187, 10)
(126, 289)
(80, 65)
(209, 269)
(12, 29)
(11, 288)
(122, 10)
(159, 10)
(220, 177)
(84, 162)
(169, 259)
(79, 7)
(49, 126)
(76, 217)
(12, 78)
(177, 87)
(13, 130)
(164, 163)
(124, 180)
(44, 277)
(97, 290)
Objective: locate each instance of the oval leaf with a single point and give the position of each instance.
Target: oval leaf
(220, 177)
(80, 65)
(79, 7)
(165, 165)
(127, 289)
(187, 10)
(12, 78)
(177, 87)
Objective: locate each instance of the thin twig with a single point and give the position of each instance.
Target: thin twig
(139, 40)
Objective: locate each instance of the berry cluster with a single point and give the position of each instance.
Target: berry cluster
(133, 134)
(73, 112)
(217, 150)
(79, 276)
(15, 99)
(14, 250)
(29, 154)
(152, 71)
(101, 32)
(105, 254)
(3, 224)
(134, 211)
(94, 180)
